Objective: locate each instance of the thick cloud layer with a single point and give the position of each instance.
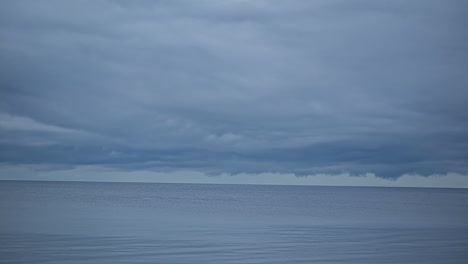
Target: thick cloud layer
(302, 87)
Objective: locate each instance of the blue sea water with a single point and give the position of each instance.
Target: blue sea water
(77, 222)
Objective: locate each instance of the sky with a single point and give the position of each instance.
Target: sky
(326, 92)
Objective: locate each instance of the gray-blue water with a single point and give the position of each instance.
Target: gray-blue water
(71, 222)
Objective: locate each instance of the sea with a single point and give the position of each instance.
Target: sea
(91, 222)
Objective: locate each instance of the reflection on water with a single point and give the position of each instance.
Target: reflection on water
(59, 222)
(269, 245)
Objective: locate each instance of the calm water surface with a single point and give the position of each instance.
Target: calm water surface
(72, 222)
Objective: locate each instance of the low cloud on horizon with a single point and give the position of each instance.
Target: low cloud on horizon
(106, 174)
(241, 88)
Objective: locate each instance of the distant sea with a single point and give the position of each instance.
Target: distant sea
(78, 222)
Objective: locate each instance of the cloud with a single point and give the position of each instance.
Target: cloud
(309, 87)
(105, 174)
(10, 122)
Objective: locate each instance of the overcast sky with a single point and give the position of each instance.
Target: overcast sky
(300, 89)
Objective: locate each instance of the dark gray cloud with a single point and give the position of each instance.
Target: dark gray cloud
(236, 86)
